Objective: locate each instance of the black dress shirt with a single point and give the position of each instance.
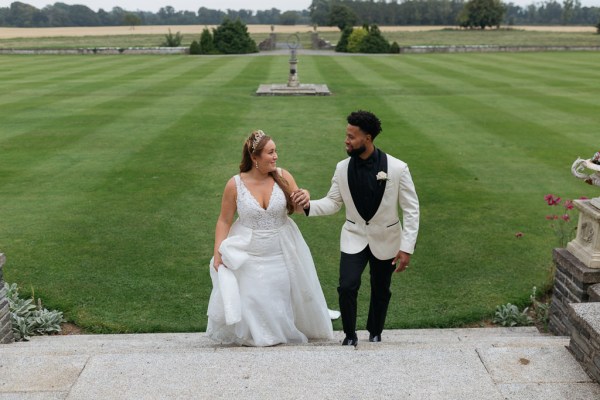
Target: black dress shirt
(366, 190)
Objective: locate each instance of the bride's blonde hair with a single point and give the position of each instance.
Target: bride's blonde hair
(254, 146)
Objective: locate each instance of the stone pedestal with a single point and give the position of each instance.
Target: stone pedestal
(293, 80)
(572, 281)
(586, 246)
(6, 334)
(293, 86)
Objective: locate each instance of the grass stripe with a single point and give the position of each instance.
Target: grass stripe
(111, 182)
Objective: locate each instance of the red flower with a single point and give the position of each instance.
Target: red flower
(519, 234)
(551, 200)
(569, 204)
(550, 217)
(566, 218)
(583, 198)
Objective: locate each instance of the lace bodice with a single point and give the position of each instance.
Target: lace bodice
(253, 216)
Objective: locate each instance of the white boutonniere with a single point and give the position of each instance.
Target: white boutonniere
(382, 176)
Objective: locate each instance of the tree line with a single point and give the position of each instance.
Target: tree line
(320, 12)
(20, 14)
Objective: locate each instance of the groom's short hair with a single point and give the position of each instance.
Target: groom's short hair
(366, 121)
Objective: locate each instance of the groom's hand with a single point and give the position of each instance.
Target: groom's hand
(402, 259)
(301, 198)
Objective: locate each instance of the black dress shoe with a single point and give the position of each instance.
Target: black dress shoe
(374, 338)
(350, 341)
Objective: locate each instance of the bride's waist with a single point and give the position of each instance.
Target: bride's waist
(265, 241)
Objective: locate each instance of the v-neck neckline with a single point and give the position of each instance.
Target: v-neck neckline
(254, 197)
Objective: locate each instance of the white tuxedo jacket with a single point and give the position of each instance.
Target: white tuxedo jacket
(384, 233)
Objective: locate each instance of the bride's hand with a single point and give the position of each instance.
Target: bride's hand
(301, 198)
(217, 262)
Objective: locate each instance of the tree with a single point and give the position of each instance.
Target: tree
(24, 15)
(567, 12)
(289, 18)
(482, 13)
(319, 12)
(268, 17)
(342, 45)
(342, 16)
(232, 38)
(207, 45)
(132, 20)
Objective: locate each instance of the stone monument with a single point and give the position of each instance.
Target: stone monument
(586, 245)
(293, 86)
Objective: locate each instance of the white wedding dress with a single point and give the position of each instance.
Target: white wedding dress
(269, 293)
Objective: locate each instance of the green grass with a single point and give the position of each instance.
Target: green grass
(502, 37)
(446, 37)
(111, 172)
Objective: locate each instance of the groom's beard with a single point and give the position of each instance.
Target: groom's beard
(357, 152)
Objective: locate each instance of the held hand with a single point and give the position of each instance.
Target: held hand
(301, 198)
(217, 262)
(402, 259)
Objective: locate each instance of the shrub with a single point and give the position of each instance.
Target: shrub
(195, 48)
(395, 48)
(29, 319)
(509, 315)
(355, 39)
(232, 38)
(374, 42)
(207, 45)
(342, 45)
(173, 40)
(540, 309)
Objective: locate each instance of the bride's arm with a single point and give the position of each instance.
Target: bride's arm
(296, 191)
(228, 207)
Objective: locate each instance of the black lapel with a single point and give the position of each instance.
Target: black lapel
(352, 182)
(383, 166)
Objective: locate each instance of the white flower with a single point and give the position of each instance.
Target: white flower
(382, 176)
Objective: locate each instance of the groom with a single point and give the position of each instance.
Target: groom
(371, 185)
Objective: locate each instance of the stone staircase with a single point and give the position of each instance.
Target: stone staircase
(486, 363)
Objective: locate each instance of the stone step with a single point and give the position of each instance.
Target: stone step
(495, 364)
(184, 342)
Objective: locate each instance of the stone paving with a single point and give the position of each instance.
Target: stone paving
(486, 363)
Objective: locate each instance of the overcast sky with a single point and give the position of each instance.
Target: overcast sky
(194, 5)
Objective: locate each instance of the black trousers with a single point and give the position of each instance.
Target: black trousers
(351, 269)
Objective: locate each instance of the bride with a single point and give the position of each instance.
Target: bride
(265, 286)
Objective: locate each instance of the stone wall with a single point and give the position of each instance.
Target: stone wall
(585, 337)
(572, 280)
(492, 49)
(6, 335)
(100, 51)
(575, 309)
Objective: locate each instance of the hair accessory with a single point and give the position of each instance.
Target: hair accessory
(258, 135)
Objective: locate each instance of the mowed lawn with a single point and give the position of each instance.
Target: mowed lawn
(112, 168)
